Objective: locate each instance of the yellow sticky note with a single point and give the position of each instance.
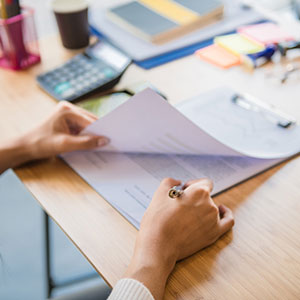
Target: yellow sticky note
(171, 10)
(239, 44)
(218, 56)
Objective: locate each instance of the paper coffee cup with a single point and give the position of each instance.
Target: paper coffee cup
(72, 21)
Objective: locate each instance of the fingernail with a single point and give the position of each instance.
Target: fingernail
(103, 141)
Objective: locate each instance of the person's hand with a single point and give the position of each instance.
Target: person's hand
(173, 229)
(59, 133)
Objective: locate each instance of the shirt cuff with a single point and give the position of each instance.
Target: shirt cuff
(130, 289)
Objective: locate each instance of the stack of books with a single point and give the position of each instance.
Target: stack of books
(160, 21)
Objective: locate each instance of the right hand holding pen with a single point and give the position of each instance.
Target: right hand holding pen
(187, 224)
(173, 229)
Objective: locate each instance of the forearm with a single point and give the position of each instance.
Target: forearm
(14, 153)
(152, 270)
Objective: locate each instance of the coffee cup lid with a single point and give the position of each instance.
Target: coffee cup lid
(69, 6)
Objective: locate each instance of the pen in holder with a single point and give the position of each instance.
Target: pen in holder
(18, 41)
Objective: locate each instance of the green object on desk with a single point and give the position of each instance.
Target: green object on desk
(103, 105)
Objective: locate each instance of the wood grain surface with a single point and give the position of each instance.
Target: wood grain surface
(258, 259)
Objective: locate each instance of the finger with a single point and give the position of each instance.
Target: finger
(226, 219)
(200, 186)
(168, 183)
(85, 112)
(191, 182)
(81, 142)
(204, 181)
(66, 107)
(78, 121)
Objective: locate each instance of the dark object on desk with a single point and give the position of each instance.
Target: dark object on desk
(287, 46)
(72, 21)
(268, 111)
(12, 8)
(99, 69)
(259, 59)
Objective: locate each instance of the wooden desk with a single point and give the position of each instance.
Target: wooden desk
(259, 259)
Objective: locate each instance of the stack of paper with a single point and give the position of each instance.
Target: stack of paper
(208, 136)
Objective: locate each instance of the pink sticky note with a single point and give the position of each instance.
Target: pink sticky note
(266, 33)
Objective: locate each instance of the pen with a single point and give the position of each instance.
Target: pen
(3, 10)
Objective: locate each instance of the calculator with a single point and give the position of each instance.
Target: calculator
(99, 69)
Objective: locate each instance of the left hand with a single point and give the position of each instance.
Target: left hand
(59, 133)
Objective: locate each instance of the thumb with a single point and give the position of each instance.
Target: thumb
(82, 142)
(226, 219)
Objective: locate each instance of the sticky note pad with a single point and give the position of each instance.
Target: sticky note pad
(218, 56)
(266, 33)
(239, 44)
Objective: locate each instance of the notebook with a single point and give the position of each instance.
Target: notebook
(160, 21)
(149, 55)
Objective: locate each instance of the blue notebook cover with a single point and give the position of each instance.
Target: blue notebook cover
(166, 57)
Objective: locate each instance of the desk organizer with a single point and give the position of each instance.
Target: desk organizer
(18, 41)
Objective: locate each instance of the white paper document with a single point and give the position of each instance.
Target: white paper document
(208, 136)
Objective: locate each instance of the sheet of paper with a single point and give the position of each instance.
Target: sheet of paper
(128, 181)
(246, 131)
(148, 124)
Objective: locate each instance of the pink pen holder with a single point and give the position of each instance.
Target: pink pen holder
(18, 41)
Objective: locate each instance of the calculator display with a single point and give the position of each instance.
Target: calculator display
(109, 54)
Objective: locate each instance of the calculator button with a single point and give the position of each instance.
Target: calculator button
(86, 75)
(94, 70)
(62, 87)
(108, 72)
(88, 66)
(100, 76)
(85, 84)
(73, 82)
(80, 78)
(47, 78)
(68, 93)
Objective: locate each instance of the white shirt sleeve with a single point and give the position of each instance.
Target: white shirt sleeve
(130, 289)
